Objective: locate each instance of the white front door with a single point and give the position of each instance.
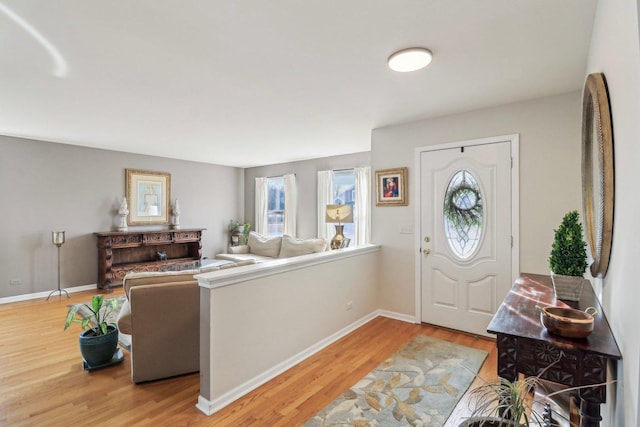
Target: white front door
(466, 234)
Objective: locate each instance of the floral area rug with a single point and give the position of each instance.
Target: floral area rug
(123, 339)
(418, 386)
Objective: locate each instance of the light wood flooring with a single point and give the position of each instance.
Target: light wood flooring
(42, 382)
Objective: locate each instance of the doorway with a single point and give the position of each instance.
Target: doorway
(468, 229)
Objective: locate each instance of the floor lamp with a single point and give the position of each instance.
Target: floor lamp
(57, 238)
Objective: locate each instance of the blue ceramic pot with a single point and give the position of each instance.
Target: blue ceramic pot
(98, 350)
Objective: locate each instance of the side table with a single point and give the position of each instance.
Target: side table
(526, 347)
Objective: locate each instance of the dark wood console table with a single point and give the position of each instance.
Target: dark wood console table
(526, 347)
(120, 252)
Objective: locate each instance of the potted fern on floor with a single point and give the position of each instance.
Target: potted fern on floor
(568, 258)
(99, 337)
(506, 403)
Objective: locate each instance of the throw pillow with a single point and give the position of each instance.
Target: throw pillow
(265, 246)
(242, 249)
(292, 247)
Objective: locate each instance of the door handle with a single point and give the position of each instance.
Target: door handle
(426, 251)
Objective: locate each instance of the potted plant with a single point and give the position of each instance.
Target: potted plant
(506, 404)
(99, 337)
(241, 231)
(568, 258)
(245, 233)
(513, 403)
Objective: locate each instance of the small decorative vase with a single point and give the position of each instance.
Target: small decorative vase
(568, 288)
(176, 215)
(123, 211)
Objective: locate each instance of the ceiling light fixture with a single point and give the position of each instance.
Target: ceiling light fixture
(411, 59)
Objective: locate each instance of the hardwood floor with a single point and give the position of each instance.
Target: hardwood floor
(42, 382)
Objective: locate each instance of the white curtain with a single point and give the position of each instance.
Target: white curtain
(261, 205)
(362, 206)
(325, 197)
(290, 205)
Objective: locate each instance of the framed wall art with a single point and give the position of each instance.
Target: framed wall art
(148, 194)
(392, 187)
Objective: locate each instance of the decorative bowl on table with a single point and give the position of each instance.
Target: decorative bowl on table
(568, 322)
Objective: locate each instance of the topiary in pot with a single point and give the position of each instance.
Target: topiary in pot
(568, 258)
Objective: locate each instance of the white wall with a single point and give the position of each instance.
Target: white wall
(550, 182)
(615, 51)
(47, 186)
(261, 319)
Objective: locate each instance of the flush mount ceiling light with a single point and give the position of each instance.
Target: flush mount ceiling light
(410, 59)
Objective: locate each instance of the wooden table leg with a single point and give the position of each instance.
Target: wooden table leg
(574, 411)
(589, 414)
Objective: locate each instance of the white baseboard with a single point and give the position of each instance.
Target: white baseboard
(398, 316)
(36, 295)
(209, 407)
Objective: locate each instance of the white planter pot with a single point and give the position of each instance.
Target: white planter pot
(567, 288)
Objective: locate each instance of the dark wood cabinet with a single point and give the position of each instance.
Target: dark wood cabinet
(120, 252)
(526, 347)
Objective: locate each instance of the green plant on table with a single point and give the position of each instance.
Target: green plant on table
(245, 233)
(245, 227)
(100, 309)
(568, 252)
(233, 224)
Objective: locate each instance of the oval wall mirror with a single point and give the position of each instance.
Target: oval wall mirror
(597, 172)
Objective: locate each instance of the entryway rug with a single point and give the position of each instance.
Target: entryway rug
(123, 339)
(418, 386)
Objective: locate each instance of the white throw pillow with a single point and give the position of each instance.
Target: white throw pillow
(265, 246)
(242, 249)
(295, 247)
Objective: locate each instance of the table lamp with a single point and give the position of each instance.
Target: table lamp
(338, 214)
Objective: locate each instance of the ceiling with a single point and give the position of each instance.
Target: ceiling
(248, 83)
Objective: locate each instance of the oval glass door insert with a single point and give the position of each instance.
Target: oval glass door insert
(463, 214)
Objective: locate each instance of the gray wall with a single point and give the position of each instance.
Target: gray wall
(47, 186)
(550, 183)
(306, 180)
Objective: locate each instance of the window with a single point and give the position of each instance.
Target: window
(275, 206)
(344, 193)
(350, 187)
(463, 214)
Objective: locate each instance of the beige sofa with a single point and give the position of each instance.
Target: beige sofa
(261, 248)
(162, 315)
